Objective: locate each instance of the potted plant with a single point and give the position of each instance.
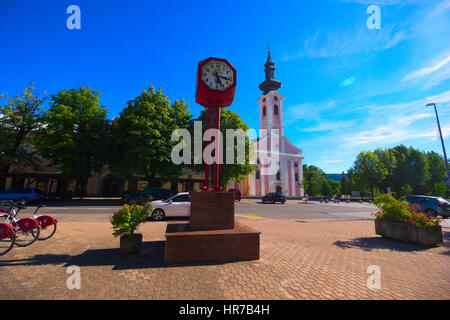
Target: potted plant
(125, 222)
(400, 221)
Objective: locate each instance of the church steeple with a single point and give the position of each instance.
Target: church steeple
(270, 83)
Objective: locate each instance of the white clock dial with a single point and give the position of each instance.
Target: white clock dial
(217, 75)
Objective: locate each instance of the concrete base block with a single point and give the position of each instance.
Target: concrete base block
(184, 245)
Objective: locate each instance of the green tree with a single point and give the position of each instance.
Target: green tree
(418, 171)
(412, 168)
(236, 171)
(335, 187)
(405, 190)
(326, 189)
(388, 160)
(18, 119)
(140, 139)
(315, 181)
(437, 170)
(439, 189)
(74, 133)
(369, 171)
(346, 188)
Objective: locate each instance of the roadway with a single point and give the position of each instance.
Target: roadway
(246, 209)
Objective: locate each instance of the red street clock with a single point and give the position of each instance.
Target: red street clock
(216, 83)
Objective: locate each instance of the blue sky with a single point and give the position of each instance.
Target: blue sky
(347, 88)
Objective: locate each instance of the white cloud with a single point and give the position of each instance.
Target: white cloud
(406, 123)
(439, 98)
(330, 125)
(445, 63)
(331, 161)
(306, 111)
(347, 42)
(442, 7)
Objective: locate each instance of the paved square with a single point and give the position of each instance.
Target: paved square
(300, 259)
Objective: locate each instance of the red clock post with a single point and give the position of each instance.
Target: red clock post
(212, 234)
(216, 84)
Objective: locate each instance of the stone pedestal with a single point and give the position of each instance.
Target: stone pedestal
(212, 234)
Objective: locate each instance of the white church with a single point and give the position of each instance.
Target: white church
(289, 176)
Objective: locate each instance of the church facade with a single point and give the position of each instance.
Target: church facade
(286, 174)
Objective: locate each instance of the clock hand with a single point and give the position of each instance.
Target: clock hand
(225, 78)
(217, 75)
(217, 78)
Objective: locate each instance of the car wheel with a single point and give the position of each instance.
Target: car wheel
(158, 214)
(431, 212)
(23, 201)
(273, 201)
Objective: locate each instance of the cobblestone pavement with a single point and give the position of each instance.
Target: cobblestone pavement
(300, 259)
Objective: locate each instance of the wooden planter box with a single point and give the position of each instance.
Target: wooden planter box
(429, 236)
(130, 245)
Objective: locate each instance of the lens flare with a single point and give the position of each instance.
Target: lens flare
(347, 82)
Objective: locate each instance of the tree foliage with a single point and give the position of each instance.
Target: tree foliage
(403, 170)
(73, 134)
(140, 139)
(316, 183)
(369, 171)
(236, 171)
(18, 119)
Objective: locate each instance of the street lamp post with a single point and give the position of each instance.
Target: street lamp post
(440, 135)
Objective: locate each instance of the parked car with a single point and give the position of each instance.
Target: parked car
(237, 193)
(145, 195)
(274, 197)
(433, 206)
(176, 206)
(23, 195)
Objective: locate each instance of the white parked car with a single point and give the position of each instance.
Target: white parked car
(176, 206)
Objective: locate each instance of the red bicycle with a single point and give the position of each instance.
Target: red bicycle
(26, 230)
(7, 237)
(47, 224)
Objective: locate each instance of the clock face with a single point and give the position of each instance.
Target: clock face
(217, 75)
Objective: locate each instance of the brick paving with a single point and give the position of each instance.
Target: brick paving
(300, 259)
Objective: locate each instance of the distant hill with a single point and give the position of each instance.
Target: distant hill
(334, 176)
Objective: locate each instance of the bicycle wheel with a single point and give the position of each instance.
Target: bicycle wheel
(46, 232)
(6, 244)
(25, 238)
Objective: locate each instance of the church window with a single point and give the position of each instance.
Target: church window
(264, 111)
(278, 175)
(295, 164)
(257, 174)
(275, 98)
(296, 176)
(275, 109)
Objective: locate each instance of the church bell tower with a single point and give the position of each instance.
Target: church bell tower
(271, 101)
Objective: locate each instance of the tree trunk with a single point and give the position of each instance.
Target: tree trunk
(371, 190)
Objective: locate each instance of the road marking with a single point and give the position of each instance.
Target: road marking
(250, 216)
(81, 208)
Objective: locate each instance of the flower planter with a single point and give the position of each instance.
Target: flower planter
(130, 244)
(429, 236)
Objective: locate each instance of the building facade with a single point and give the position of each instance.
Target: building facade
(285, 158)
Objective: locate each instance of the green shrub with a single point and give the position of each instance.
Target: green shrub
(127, 220)
(391, 209)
